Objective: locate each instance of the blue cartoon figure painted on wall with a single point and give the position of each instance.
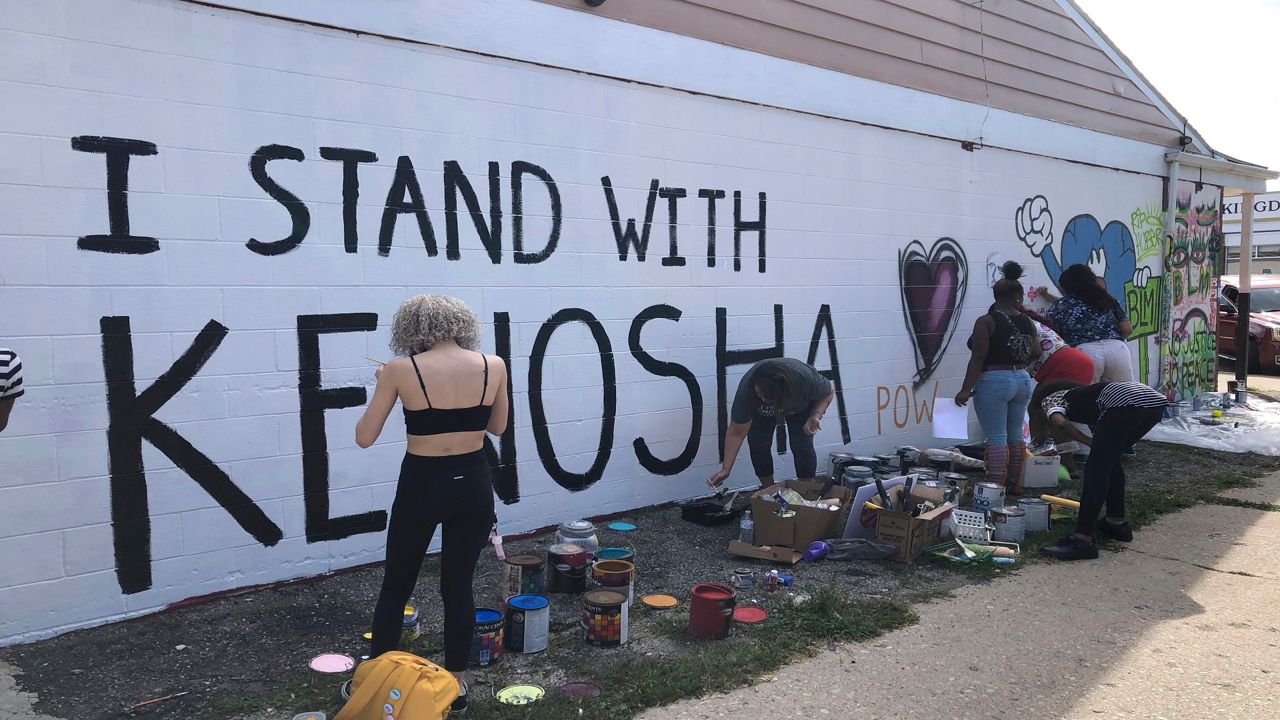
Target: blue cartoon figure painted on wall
(1109, 250)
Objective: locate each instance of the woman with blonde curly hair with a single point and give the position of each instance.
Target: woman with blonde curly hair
(451, 395)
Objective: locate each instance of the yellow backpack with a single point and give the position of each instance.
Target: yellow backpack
(411, 687)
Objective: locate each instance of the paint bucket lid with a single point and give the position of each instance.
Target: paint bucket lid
(487, 615)
(524, 559)
(750, 615)
(332, 663)
(580, 528)
(580, 690)
(615, 566)
(659, 602)
(565, 549)
(614, 553)
(838, 455)
(622, 526)
(1034, 502)
(520, 694)
(316, 715)
(604, 597)
(527, 602)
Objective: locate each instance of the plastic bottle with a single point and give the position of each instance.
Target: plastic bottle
(747, 529)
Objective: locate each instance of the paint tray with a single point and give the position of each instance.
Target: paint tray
(709, 513)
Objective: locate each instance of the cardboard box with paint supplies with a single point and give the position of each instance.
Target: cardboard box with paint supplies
(805, 514)
(911, 534)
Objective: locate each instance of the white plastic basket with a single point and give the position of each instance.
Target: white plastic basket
(970, 526)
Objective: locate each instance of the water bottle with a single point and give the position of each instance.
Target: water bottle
(747, 529)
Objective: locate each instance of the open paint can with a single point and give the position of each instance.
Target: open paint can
(616, 553)
(604, 618)
(1009, 523)
(527, 624)
(617, 575)
(486, 642)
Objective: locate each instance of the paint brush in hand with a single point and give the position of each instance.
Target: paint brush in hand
(374, 360)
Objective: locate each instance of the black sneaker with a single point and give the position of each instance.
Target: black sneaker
(1121, 531)
(460, 705)
(1071, 548)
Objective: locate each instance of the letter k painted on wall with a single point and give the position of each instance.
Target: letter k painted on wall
(131, 420)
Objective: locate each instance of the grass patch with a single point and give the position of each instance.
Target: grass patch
(1250, 504)
(308, 693)
(792, 631)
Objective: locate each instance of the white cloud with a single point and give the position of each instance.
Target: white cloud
(1214, 62)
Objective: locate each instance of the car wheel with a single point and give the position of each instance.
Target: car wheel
(1255, 361)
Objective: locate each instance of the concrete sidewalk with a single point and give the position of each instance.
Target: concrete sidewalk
(1183, 623)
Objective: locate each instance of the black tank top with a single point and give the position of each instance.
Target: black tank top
(1011, 341)
(438, 421)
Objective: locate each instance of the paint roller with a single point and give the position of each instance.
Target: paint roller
(1060, 502)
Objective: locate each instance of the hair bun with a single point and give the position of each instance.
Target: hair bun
(1011, 270)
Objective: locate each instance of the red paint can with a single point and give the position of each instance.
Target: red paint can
(711, 610)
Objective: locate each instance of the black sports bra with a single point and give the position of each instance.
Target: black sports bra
(438, 421)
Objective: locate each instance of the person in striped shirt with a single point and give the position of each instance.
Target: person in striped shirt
(10, 383)
(1120, 413)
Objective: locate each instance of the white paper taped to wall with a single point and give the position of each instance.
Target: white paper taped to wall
(950, 421)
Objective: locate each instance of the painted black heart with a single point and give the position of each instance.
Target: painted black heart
(933, 285)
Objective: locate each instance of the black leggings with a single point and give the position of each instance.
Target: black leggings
(1104, 480)
(453, 491)
(760, 443)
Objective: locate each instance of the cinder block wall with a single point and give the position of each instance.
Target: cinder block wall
(222, 232)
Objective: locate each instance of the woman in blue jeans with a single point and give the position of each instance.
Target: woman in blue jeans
(1003, 343)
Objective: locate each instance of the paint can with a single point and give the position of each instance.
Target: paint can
(885, 462)
(525, 575)
(855, 476)
(1010, 524)
(711, 610)
(616, 575)
(580, 533)
(923, 473)
(486, 641)
(616, 553)
(866, 461)
(987, 496)
(743, 578)
(604, 618)
(956, 484)
(411, 629)
(567, 568)
(1037, 514)
(837, 462)
(528, 623)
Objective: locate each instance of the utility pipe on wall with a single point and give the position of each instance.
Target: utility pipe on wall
(1242, 300)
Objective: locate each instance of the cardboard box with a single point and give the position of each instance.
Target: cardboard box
(807, 525)
(764, 552)
(911, 535)
(1041, 471)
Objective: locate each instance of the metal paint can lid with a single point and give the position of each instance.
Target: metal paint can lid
(958, 477)
(316, 715)
(991, 486)
(577, 528)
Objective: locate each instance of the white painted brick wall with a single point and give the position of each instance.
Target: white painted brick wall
(210, 87)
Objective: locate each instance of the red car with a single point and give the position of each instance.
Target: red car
(1264, 320)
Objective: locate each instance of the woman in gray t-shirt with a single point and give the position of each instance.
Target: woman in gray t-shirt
(775, 389)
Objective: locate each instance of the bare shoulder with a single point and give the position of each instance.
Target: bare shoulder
(496, 363)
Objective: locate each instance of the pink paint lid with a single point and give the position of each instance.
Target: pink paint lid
(332, 663)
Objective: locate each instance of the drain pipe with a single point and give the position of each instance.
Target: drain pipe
(1166, 311)
(1242, 301)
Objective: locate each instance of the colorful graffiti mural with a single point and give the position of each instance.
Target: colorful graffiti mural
(1189, 349)
(1108, 249)
(933, 286)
